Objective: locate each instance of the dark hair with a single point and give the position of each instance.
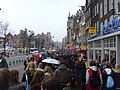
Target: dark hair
(37, 79)
(52, 84)
(14, 77)
(92, 63)
(108, 65)
(72, 79)
(4, 78)
(62, 62)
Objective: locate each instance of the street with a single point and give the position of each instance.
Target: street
(16, 63)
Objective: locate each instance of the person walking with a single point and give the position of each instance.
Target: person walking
(116, 76)
(36, 83)
(108, 77)
(62, 73)
(72, 84)
(3, 62)
(31, 67)
(93, 77)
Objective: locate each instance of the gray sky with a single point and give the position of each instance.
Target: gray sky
(39, 15)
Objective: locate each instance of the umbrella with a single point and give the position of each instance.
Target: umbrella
(51, 61)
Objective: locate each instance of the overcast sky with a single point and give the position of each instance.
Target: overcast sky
(39, 15)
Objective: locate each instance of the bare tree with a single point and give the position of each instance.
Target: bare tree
(3, 32)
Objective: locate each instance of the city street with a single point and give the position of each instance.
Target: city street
(16, 63)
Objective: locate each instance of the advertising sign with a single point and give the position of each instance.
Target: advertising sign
(92, 30)
(111, 26)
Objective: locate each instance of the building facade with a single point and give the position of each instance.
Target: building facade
(105, 42)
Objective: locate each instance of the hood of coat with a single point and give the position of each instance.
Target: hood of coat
(94, 68)
(108, 71)
(117, 68)
(62, 67)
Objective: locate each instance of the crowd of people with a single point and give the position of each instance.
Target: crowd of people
(70, 74)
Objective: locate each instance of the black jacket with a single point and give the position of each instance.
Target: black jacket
(3, 63)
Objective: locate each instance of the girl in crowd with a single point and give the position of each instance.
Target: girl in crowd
(37, 80)
(31, 67)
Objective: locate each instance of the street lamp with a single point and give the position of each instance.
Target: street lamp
(30, 35)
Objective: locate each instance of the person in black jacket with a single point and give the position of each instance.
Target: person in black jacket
(116, 76)
(3, 63)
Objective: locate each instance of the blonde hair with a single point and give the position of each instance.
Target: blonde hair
(32, 65)
(117, 68)
(48, 69)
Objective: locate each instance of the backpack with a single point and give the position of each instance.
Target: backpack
(110, 81)
(95, 81)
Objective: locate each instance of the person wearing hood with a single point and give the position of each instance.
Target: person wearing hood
(93, 68)
(62, 74)
(3, 62)
(105, 73)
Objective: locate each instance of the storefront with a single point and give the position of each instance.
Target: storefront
(106, 45)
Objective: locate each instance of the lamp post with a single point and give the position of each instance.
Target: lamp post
(29, 35)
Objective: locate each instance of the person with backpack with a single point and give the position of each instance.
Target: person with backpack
(108, 77)
(80, 72)
(93, 77)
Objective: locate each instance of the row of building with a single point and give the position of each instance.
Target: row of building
(95, 28)
(27, 39)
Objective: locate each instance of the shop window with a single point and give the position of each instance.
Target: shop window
(98, 55)
(90, 45)
(114, 42)
(106, 54)
(105, 43)
(111, 42)
(108, 43)
(91, 53)
(113, 57)
(98, 44)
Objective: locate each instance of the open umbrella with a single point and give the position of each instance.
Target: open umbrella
(51, 61)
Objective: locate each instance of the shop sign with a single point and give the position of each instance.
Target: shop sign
(92, 30)
(111, 26)
(83, 47)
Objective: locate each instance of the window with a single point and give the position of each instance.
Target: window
(97, 9)
(101, 27)
(110, 5)
(97, 26)
(105, 7)
(98, 55)
(90, 45)
(114, 41)
(111, 18)
(111, 42)
(98, 44)
(93, 12)
(119, 7)
(91, 53)
(105, 22)
(105, 42)
(101, 10)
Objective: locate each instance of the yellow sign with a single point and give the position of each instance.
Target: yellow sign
(69, 45)
(92, 30)
(83, 47)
